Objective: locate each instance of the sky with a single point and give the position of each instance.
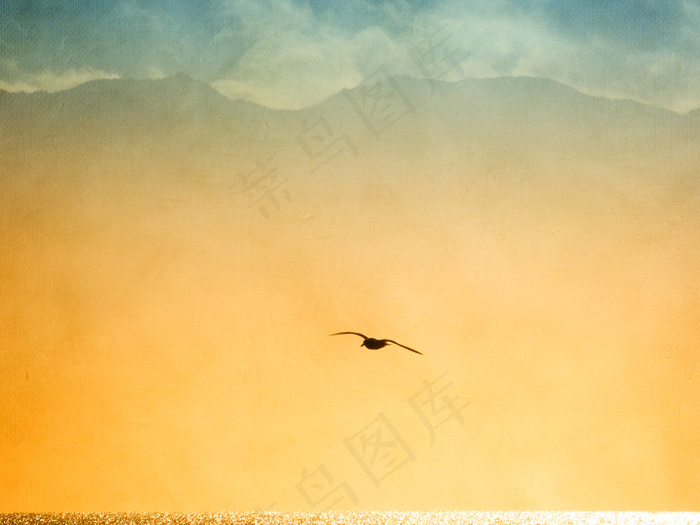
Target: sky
(294, 53)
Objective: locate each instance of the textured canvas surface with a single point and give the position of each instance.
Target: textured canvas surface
(194, 197)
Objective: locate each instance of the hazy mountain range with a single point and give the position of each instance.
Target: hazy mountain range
(186, 126)
(539, 111)
(412, 128)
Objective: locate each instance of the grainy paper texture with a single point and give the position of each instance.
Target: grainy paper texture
(193, 196)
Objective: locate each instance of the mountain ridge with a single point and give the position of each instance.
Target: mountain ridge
(186, 83)
(192, 118)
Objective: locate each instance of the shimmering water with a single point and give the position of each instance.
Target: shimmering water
(360, 518)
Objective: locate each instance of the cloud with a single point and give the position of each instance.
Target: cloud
(52, 81)
(296, 60)
(304, 69)
(643, 52)
(298, 53)
(293, 53)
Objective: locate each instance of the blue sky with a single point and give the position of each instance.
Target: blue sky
(293, 53)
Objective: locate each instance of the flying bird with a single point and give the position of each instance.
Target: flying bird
(375, 344)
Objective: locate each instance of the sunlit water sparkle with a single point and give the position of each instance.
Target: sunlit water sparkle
(359, 518)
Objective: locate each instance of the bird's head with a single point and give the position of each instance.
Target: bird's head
(363, 343)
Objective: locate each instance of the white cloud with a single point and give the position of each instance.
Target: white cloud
(17, 87)
(267, 19)
(298, 67)
(283, 54)
(155, 73)
(295, 60)
(506, 42)
(52, 81)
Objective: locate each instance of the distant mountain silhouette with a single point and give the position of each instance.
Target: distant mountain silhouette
(173, 109)
(177, 94)
(182, 118)
(515, 102)
(536, 110)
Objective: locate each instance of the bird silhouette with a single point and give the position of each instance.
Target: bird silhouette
(375, 344)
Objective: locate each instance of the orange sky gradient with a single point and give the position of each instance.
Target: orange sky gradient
(164, 346)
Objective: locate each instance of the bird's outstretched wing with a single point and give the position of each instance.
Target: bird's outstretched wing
(403, 346)
(353, 333)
